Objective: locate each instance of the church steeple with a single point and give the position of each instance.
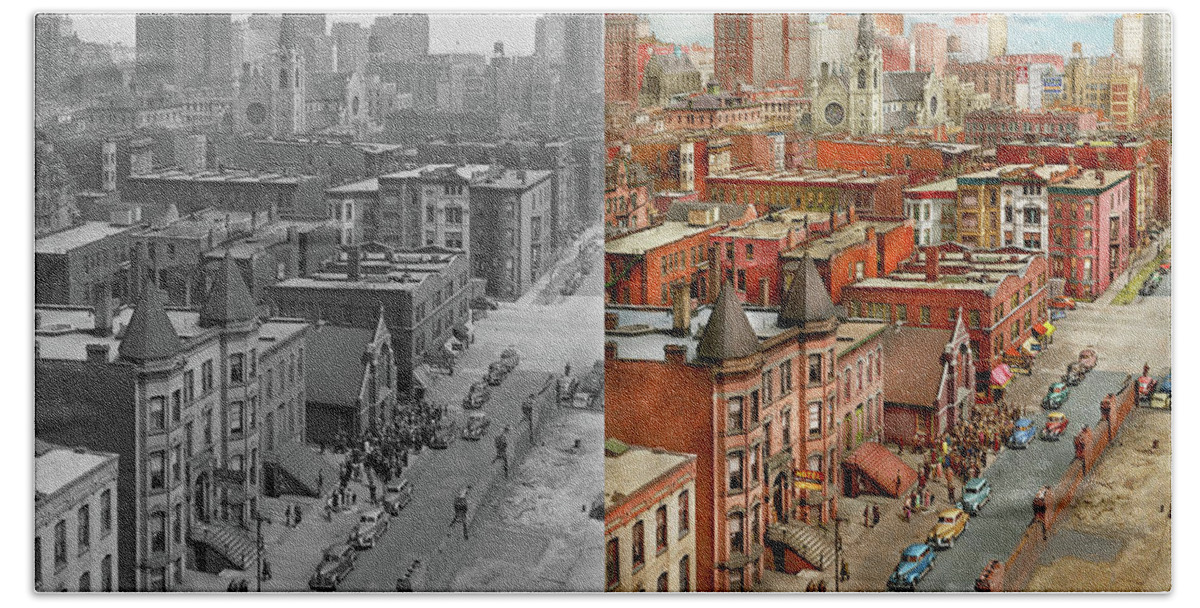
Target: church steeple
(150, 335)
(728, 334)
(866, 32)
(229, 301)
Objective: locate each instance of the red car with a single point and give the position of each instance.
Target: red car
(1062, 303)
(1056, 425)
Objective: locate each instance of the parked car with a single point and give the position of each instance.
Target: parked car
(510, 358)
(566, 387)
(1165, 267)
(1056, 425)
(1162, 394)
(438, 441)
(476, 427)
(916, 561)
(950, 525)
(397, 495)
(477, 395)
(496, 373)
(1056, 396)
(1062, 303)
(976, 493)
(1087, 359)
(372, 524)
(1022, 433)
(1074, 374)
(336, 563)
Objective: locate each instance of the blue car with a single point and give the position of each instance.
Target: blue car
(915, 562)
(1022, 434)
(976, 493)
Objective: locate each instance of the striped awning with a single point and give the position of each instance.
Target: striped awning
(1001, 375)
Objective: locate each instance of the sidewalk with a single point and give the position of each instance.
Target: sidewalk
(1120, 281)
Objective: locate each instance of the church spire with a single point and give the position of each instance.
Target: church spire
(728, 334)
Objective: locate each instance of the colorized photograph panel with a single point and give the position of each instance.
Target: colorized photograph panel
(318, 302)
(888, 302)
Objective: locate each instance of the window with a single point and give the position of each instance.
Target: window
(925, 315)
(685, 574)
(639, 545)
(787, 427)
(176, 463)
(157, 467)
(767, 378)
(85, 582)
(178, 524)
(157, 415)
(749, 252)
(754, 472)
(176, 406)
(158, 532)
(902, 312)
(237, 362)
(612, 563)
(734, 463)
(741, 279)
(206, 376)
(208, 427)
(661, 586)
(973, 319)
(753, 408)
(60, 545)
(84, 530)
(105, 512)
(737, 535)
(235, 416)
(106, 573)
(814, 369)
(660, 529)
(785, 377)
(685, 523)
(735, 414)
(814, 419)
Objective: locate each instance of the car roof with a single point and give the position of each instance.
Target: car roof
(1023, 422)
(914, 549)
(338, 548)
(949, 512)
(477, 415)
(977, 482)
(1056, 415)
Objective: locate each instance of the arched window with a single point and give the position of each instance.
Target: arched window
(862, 79)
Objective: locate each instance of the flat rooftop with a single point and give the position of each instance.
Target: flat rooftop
(847, 236)
(641, 333)
(807, 176)
(512, 179)
(638, 243)
(775, 226)
(945, 185)
(74, 238)
(359, 187)
(635, 468)
(59, 467)
(226, 175)
(466, 172)
(851, 333)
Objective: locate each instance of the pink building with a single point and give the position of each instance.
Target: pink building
(896, 57)
(930, 42)
(1089, 224)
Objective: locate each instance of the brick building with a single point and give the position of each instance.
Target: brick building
(990, 127)
(649, 489)
(934, 389)
(712, 111)
(627, 196)
(872, 196)
(851, 253)
(759, 49)
(996, 79)
(73, 266)
(1002, 292)
(621, 83)
(75, 526)
(352, 382)
(921, 161)
(933, 208)
(1006, 205)
(1090, 220)
(640, 268)
(278, 195)
(747, 392)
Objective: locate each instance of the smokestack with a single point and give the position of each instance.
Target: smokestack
(102, 309)
(764, 290)
(870, 234)
(354, 264)
(681, 307)
(931, 265)
(675, 354)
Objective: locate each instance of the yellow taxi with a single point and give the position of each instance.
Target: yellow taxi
(950, 525)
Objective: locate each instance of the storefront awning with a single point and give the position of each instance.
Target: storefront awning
(1011, 352)
(1028, 346)
(1001, 375)
(1044, 329)
(882, 468)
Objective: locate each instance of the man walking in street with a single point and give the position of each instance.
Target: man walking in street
(502, 450)
(460, 510)
(866, 517)
(874, 515)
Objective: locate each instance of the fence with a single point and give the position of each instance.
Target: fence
(1053, 501)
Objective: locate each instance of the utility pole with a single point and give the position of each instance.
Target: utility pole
(258, 548)
(837, 554)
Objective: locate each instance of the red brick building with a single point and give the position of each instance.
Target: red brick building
(1120, 155)
(751, 393)
(1089, 220)
(934, 389)
(627, 196)
(1002, 292)
(990, 127)
(872, 196)
(921, 162)
(621, 82)
(862, 249)
(712, 111)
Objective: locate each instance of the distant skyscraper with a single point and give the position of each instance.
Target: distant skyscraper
(182, 51)
(930, 42)
(549, 40)
(972, 33)
(1128, 37)
(350, 44)
(997, 35)
(891, 24)
(620, 58)
(760, 48)
(50, 53)
(1156, 48)
(402, 37)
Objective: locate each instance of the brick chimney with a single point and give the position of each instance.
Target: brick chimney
(870, 234)
(675, 354)
(354, 264)
(97, 353)
(931, 265)
(764, 290)
(102, 311)
(681, 309)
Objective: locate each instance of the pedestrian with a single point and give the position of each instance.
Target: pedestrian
(287, 516)
(266, 570)
(354, 498)
(866, 517)
(845, 573)
(811, 587)
(296, 513)
(950, 493)
(874, 515)
(897, 486)
(821, 586)
(907, 513)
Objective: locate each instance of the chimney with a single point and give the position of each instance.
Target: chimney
(681, 307)
(354, 264)
(764, 290)
(675, 354)
(97, 353)
(870, 234)
(610, 321)
(931, 264)
(610, 351)
(1099, 176)
(102, 311)
(293, 234)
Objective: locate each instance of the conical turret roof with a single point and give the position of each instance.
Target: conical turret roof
(229, 301)
(807, 299)
(150, 335)
(728, 334)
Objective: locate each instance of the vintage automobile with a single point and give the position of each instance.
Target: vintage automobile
(476, 427)
(496, 373)
(916, 561)
(1165, 267)
(976, 493)
(950, 525)
(336, 563)
(1074, 374)
(1146, 386)
(1062, 303)
(372, 524)
(510, 358)
(397, 495)
(566, 387)
(1022, 433)
(478, 395)
(1162, 394)
(1056, 425)
(1087, 359)
(1056, 396)
(438, 441)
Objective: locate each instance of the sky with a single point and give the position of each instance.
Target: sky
(1027, 32)
(448, 33)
